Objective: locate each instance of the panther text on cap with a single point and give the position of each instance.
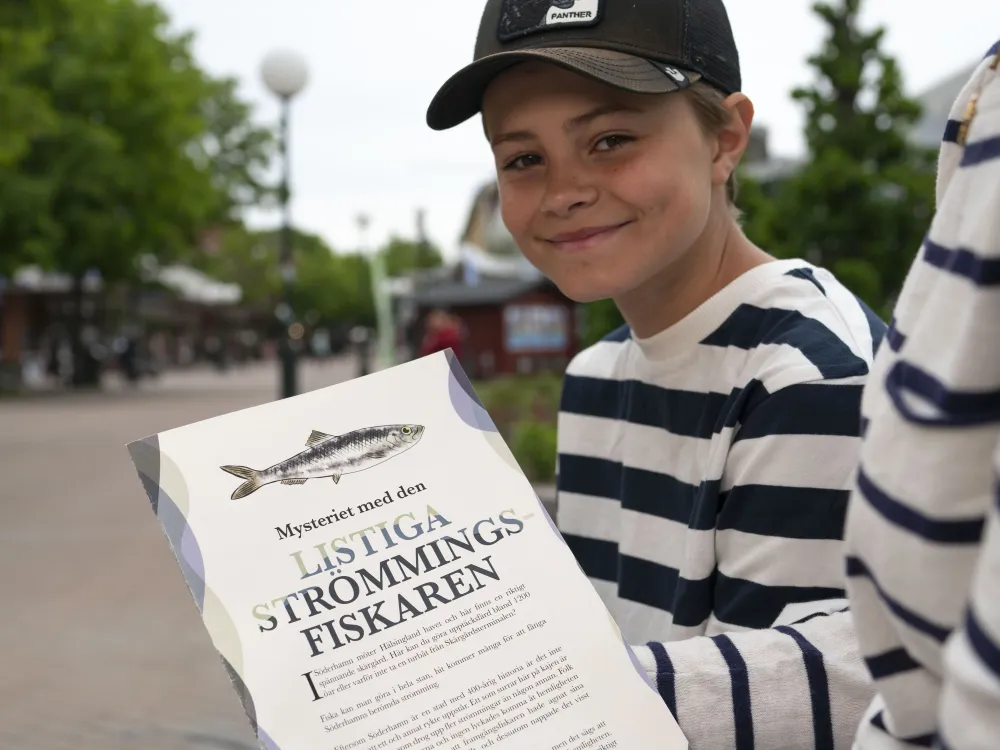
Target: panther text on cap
(519, 18)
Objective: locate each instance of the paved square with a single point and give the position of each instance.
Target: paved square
(101, 647)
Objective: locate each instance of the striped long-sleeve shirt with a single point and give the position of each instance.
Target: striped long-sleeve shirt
(703, 482)
(923, 536)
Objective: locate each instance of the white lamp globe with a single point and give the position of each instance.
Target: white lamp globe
(284, 73)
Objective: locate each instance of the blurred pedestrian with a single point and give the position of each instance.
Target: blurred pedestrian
(361, 339)
(443, 331)
(128, 357)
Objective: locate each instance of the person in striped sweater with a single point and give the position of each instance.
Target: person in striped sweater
(706, 450)
(923, 530)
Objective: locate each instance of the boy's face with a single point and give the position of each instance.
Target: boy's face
(602, 190)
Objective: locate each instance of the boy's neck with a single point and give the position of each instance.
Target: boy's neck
(721, 255)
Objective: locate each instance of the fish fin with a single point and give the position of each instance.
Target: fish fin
(293, 481)
(335, 478)
(254, 481)
(316, 437)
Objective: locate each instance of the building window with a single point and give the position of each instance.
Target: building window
(533, 328)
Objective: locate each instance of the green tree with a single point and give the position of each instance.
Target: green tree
(600, 319)
(335, 288)
(130, 149)
(109, 175)
(249, 259)
(329, 288)
(862, 202)
(235, 150)
(757, 209)
(25, 113)
(404, 256)
(127, 100)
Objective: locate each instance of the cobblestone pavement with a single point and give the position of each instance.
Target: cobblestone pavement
(101, 647)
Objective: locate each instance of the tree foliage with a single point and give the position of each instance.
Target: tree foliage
(405, 255)
(116, 144)
(334, 288)
(862, 201)
(235, 151)
(330, 287)
(26, 113)
(599, 319)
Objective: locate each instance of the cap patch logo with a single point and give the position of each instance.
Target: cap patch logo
(522, 17)
(680, 79)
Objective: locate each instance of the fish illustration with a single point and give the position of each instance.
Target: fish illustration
(331, 456)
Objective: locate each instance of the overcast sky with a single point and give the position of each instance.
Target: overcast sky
(358, 137)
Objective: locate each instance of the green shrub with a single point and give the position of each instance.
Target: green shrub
(524, 409)
(534, 446)
(516, 399)
(600, 319)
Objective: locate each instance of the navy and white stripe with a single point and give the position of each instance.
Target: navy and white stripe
(703, 481)
(922, 525)
(970, 698)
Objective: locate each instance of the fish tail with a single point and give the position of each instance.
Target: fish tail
(254, 480)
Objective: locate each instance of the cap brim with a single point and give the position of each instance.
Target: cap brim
(461, 96)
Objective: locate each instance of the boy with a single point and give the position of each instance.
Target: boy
(923, 531)
(706, 450)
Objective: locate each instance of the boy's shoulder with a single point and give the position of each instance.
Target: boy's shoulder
(802, 324)
(808, 309)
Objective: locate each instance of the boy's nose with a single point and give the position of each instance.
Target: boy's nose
(566, 193)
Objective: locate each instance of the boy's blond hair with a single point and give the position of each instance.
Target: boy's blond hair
(713, 115)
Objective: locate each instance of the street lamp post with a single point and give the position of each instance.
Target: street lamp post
(384, 337)
(285, 75)
(363, 337)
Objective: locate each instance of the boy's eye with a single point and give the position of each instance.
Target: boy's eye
(611, 142)
(522, 162)
(604, 144)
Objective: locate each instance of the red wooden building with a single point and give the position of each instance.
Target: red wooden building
(512, 325)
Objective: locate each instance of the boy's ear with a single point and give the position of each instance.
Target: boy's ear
(733, 139)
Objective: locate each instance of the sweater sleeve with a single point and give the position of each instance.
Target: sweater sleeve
(969, 714)
(779, 658)
(758, 690)
(920, 538)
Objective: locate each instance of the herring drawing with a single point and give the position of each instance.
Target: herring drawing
(331, 456)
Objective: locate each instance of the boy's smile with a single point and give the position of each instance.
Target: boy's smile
(585, 238)
(603, 190)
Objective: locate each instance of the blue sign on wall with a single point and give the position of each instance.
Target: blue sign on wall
(530, 328)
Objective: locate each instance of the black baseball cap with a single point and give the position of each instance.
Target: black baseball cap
(644, 46)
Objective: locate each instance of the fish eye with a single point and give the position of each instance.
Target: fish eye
(405, 430)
